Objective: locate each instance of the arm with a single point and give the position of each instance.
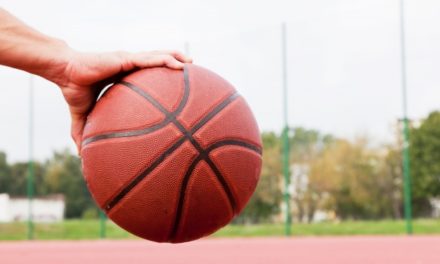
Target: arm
(80, 76)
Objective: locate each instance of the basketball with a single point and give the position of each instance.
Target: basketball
(171, 155)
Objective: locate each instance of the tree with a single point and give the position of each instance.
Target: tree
(389, 181)
(64, 176)
(306, 146)
(425, 165)
(5, 173)
(267, 197)
(360, 182)
(19, 173)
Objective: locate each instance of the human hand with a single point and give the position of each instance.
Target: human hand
(81, 76)
(86, 74)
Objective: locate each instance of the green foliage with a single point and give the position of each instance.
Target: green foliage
(306, 146)
(425, 165)
(60, 174)
(18, 173)
(90, 213)
(266, 200)
(5, 173)
(361, 183)
(388, 183)
(64, 176)
(304, 143)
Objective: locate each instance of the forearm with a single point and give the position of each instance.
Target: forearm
(24, 48)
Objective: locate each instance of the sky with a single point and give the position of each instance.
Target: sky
(343, 60)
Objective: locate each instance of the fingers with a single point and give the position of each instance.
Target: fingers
(171, 59)
(176, 54)
(146, 61)
(181, 57)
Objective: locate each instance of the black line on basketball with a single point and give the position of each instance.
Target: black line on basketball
(234, 142)
(206, 158)
(182, 194)
(185, 94)
(138, 132)
(210, 115)
(202, 156)
(187, 135)
(143, 174)
(127, 133)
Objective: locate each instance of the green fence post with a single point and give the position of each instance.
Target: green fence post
(407, 177)
(405, 130)
(102, 225)
(285, 135)
(30, 176)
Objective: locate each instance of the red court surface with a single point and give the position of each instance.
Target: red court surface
(402, 250)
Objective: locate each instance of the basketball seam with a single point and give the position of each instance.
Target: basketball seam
(131, 133)
(205, 157)
(190, 170)
(136, 180)
(144, 131)
(153, 165)
(187, 135)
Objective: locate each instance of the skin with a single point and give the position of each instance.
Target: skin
(80, 76)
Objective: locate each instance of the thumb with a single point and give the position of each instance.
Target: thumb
(77, 129)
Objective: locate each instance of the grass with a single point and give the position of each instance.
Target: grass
(90, 229)
(382, 227)
(67, 230)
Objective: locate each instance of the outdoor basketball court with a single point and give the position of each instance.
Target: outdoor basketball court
(373, 249)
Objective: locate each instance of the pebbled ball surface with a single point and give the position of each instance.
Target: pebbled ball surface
(171, 155)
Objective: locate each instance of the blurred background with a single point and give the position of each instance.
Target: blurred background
(327, 76)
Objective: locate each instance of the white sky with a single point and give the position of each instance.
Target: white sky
(344, 59)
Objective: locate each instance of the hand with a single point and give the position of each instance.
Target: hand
(86, 74)
(81, 76)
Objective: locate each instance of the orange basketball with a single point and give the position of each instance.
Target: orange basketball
(171, 155)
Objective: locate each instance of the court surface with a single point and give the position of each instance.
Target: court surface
(377, 249)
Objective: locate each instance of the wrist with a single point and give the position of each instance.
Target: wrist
(55, 62)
